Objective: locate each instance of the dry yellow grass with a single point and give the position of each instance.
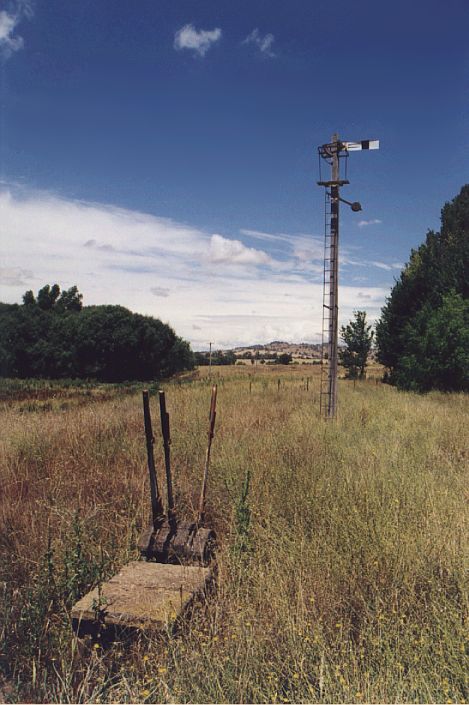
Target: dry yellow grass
(342, 570)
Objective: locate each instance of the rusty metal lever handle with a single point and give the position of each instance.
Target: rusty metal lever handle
(211, 433)
(167, 456)
(157, 508)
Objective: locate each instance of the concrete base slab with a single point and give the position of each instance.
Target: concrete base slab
(143, 595)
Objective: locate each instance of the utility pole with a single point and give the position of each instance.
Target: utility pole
(332, 153)
(334, 283)
(210, 362)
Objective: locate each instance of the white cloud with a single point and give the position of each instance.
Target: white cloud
(381, 265)
(198, 41)
(364, 223)
(308, 249)
(387, 267)
(15, 276)
(305, 251)
(369, 263)
(8, 42)
(227, 251)
(7, 25)
(258, 235)
(263, 43)
(159, 291)
(9, 21)
(204, 284)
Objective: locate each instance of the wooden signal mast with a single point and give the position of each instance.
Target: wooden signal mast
(332, 153)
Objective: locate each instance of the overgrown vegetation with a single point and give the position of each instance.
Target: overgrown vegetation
(343, 556)
(53, 336)
(357, 337)
(423, 333)
(218, 357)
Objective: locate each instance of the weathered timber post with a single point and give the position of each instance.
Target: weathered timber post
(167, 456)
(157, 509)
(211, 433)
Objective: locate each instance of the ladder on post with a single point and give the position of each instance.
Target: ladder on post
(325, 387)
(332, 153)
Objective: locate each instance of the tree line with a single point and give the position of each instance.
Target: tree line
(218, 357)
(422, 337)
(228, 357)
(52, 335)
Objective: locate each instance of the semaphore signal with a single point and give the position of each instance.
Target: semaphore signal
(332, 153)
(363, 144)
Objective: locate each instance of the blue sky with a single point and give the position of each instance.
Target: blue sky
(162, 154)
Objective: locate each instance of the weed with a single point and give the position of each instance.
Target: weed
(243, 518)
(342, 556)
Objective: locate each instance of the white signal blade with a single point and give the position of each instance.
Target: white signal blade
(364, 144)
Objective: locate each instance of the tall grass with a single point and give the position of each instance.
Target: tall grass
(343, 547)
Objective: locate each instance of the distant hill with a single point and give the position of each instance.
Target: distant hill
(303, 351)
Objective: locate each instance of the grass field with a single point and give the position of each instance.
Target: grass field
(343, 546)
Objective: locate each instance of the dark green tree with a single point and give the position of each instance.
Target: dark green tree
(358, 338)
(200, 358)
(51, 298)
(439, 267)
(54, 337)
(112, 344)
(28, 298)
(437, 348)
(284, 359)
(47, 296)
(182, 356)
(70, 300)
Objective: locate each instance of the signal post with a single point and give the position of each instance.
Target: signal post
(332, 153)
